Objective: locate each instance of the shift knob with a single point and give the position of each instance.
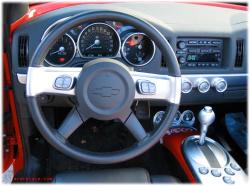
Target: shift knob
(206, 118)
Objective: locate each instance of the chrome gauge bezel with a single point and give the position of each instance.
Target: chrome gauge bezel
(48, 30)
(98, 23)
(128, 61)
(74, 44)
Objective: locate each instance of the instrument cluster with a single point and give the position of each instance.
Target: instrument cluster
(100, 39)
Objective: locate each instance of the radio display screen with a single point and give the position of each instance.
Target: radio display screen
(210, 57)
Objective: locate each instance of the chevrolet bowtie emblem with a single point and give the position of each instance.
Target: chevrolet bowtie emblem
(105, 91)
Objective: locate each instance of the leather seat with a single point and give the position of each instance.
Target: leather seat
(128, 175)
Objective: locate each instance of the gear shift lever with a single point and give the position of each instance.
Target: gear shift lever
(206, 118)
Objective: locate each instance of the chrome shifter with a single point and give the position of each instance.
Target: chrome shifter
(206, 118)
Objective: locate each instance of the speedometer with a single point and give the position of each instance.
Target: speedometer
(98, 40)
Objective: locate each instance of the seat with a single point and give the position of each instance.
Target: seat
(128, 175)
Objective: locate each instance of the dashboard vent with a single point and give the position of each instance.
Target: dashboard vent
(239, 53)
(23, 51)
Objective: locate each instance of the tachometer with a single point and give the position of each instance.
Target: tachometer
(62, 52)
(138, 49)
(98, 40)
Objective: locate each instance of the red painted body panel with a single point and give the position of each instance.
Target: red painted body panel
(13, 134)
(40, 9)
(173, 142)
(221, 5)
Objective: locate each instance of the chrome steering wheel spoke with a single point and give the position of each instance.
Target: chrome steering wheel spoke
(52, 80)
(157, 87)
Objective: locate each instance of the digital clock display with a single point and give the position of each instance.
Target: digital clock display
(210, 57)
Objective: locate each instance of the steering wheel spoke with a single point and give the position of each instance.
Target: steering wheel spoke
(157, 87)
(52, 80)
(71, 123)
(135, 127)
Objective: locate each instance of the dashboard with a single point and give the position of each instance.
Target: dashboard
(109, 39)
(210, 45)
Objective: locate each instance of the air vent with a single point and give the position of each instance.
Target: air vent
(23, 51)
(239, 53)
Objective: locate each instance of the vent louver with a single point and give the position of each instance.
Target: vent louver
(239, 53)
(23, 51)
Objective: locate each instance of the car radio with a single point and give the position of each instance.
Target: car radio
(199, 52)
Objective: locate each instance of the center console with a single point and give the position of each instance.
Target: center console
(209, 162)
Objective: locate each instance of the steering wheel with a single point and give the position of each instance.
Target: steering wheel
(104, 89)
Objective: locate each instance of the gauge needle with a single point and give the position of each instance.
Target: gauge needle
(96, 42)
(61, 49)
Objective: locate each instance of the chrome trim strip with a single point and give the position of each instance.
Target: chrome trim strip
(41, 80)
(52, 25)
(22, 77)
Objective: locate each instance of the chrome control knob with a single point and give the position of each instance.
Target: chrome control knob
(181, 45)
(186, 85)
(182, 60)
(203, 85)
(220, 84)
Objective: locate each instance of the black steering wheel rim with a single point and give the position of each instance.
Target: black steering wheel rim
(52, 136)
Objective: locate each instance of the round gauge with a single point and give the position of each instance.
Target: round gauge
(62, 52)
(138, 49)
(158, 118)
(98, 40)
(177, 119)
(188, 118)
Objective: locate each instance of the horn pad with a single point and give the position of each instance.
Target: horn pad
(105, 89)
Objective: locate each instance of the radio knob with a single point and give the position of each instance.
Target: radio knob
(181, 45)
(182, 60)
(220, 84)
(186, 85)
(203, 85)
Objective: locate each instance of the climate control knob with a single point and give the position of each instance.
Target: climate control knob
(219, 84)
(203, 85)
(186, 85)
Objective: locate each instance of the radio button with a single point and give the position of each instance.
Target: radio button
(180, 52)
(192, 50)
(192, 42)
(216, 42)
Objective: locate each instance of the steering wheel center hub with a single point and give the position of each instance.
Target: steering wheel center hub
(105, 89)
